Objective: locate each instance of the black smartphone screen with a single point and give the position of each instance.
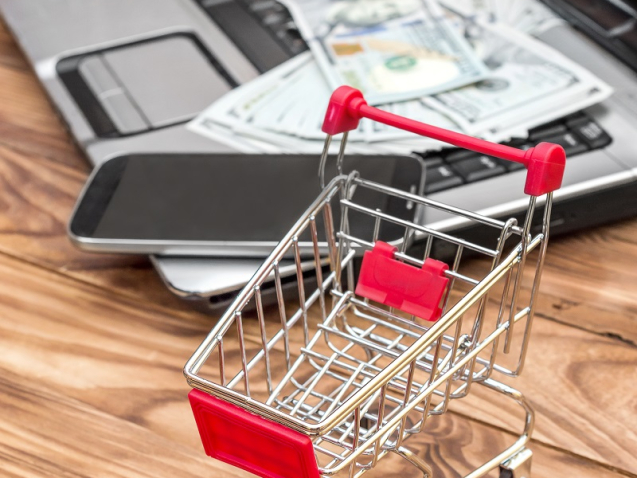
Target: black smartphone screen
(222, 197)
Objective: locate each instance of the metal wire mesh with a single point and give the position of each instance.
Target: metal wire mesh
(358, 377)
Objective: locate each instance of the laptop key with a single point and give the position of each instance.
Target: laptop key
(590, 132)
(479, 167)
(575, 117)
(274, 19)
(571, 143)
(536, 134)
(440, 176)
(259, 6)
(458, 155)
(292, 38)
(512, 165)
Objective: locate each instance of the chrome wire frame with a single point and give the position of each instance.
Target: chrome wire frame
(357, 378)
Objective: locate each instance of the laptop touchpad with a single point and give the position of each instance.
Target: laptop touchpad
(153, 84)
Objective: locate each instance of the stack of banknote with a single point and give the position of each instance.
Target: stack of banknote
(472, 66)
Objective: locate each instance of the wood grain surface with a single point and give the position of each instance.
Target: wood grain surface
(92, 346)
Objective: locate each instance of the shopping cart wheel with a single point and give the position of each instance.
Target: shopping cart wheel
(518, 466)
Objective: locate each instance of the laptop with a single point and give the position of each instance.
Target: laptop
(126, 75)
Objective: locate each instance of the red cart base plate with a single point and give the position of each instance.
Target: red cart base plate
(234, 436)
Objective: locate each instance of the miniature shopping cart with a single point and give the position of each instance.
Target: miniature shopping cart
(384, 331)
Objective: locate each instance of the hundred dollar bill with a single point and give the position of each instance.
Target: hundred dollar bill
(529, 84)
(230, 119)
(288, 104)
(391, 50)
(527, 16)
(209, 127)
(304, 119)
(416, 110)
(218, 121)
(236, 142)
(242, 104)
(282, 101)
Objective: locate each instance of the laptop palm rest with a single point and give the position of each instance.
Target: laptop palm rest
(145, 86)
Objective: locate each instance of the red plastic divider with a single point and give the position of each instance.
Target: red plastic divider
(396, 284)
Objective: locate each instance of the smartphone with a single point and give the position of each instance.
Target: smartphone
(233, 205)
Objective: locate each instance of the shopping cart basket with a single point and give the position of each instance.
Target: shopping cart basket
(352, 367)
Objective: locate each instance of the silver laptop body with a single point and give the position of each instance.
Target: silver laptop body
(149, 42)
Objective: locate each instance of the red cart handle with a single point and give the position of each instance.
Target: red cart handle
(544, 163)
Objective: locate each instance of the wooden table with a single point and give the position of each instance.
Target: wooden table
(92, 346)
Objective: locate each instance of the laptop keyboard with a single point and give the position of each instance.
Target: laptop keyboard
(451, 168)
(611, 23)
(262, 29)
(265, 32)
